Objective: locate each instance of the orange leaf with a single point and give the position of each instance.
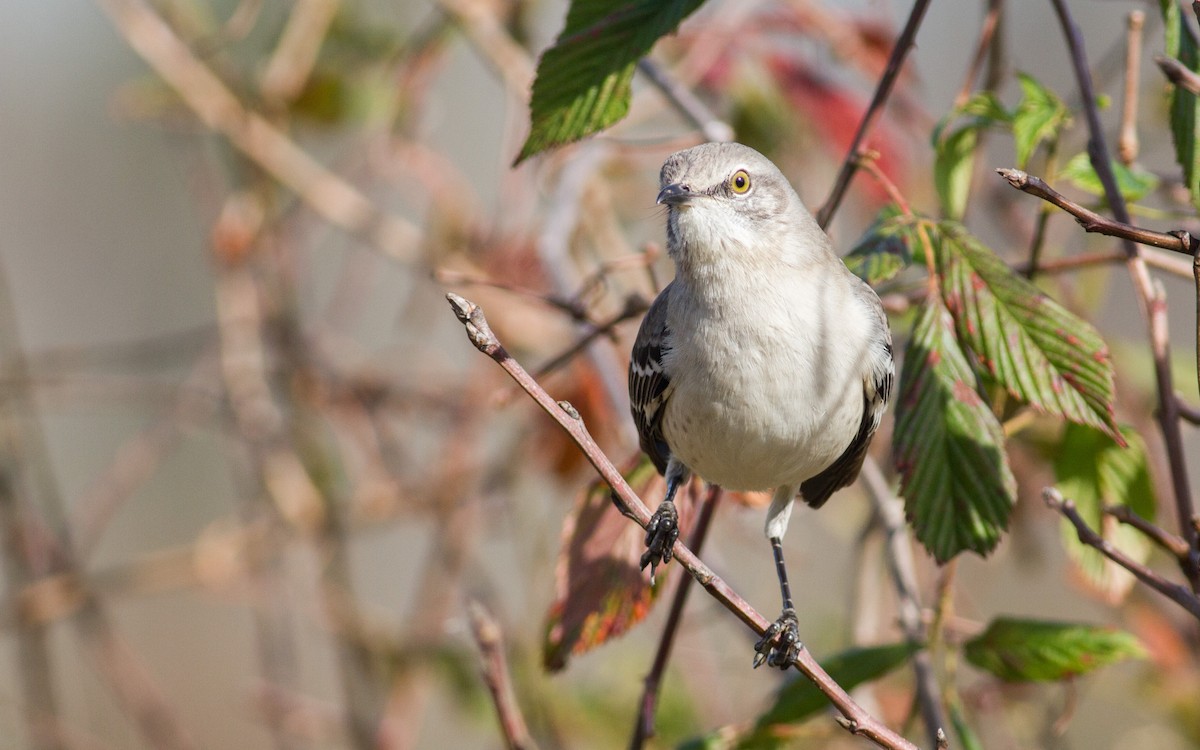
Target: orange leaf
(600, 592)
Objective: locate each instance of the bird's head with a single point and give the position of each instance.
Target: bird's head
(727, 201)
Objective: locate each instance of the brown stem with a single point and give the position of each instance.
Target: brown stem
(895, 62)
(1127, 141)
(1160, 536)
(1173, 591)
(1152, 300)
(686, 102)
(1196, 276)
(494, 666)
(986, 33)
(898, 550)
(1178, 73)
(643, 728)
(857, 720)
(634, 307)
(1180, 241)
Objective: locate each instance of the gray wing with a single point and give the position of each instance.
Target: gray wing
(649, 385)
(877, 391)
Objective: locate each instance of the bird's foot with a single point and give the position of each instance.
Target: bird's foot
(661, 533)
(780, 644)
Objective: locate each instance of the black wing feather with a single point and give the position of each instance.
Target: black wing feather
(649, 384)
(877, 390)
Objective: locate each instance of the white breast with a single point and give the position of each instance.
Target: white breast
(768, 380)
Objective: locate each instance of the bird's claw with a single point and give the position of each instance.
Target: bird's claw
(780, 643)
(661, 533)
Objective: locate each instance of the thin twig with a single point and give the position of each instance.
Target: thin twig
(1038, 242)
(986, 33)
(850, 165)
(1187, 412)
(1127, 141)
(634, 307)
(218, 107)
(494, 666)
(1160, 536)
(1178, 73)
(1173, 591)
(292, 61)
(492, 39)
(1196, 277)
(1150, 297)
(1180, 242)
(898, 550)
(1072, 263)
(643, 728)
(856, 719)
(689, 105)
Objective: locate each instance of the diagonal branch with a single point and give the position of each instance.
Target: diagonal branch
(326, 193)
(644, 728)
(1173, 591)
(857, 721)
(882, 91)
(494, 666)
(898, 550)
(1180, 242)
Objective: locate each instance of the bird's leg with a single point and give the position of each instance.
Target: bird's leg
(663, 529)
(780, 643)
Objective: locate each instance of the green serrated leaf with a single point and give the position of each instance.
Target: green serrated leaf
(1094, 472)
(1039, 117)
(800, 699)
(1133, 182)
(949, 449)
(1038, 350)
(1180, 43)
(583, 80)
(883, 251)
(1037, 651)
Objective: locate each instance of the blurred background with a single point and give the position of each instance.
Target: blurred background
(251, 470)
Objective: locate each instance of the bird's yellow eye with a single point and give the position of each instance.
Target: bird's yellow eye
(740, 182)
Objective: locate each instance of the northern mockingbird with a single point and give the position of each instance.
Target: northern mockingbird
(765, 364)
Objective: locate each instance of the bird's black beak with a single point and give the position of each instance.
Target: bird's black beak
(674, 194)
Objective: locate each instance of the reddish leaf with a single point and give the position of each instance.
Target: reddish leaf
(834, 111)
(600, 592)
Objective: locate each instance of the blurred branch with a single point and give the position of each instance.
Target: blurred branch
(133, 685)
(138, 457)
(987, 33)
(890, 73)
(686, 102)
(488, 35)
(1187, 412)
(898, 551)
(1127, 141)
(643, 728)
(856, 720)
(1179, 74)
(635, 305)
(326, 193)
(294, 57)
(495, 675)
(1173, 591)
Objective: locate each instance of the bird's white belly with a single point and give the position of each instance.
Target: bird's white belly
(716, 423)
